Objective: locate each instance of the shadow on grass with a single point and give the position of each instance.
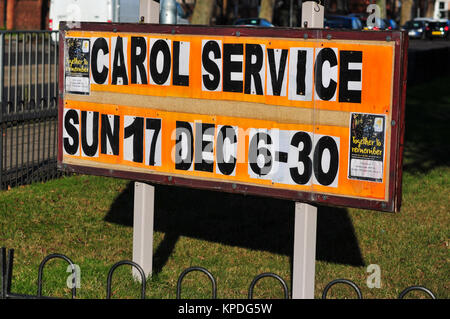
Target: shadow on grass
(252, 222)
(427, 119)
(267, 224)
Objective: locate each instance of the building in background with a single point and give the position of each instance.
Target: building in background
(442, 9)
(34, 14)
(24, 14)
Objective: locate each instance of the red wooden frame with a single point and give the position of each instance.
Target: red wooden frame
(400, 39)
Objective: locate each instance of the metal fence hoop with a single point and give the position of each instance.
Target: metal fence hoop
(342, 281)
(121, 263)
(6, 265)
(43, 103)
(9, 107)
(41, 268)
(420, 288)
(53, 102)
(32, 104)
(22, 105)
(268, 274)
(201, 269)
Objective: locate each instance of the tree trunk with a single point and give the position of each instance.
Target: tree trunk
(341, 7)
(406, 11)
(382, 5)
(430, 8)
(266, 10)
(202, 12)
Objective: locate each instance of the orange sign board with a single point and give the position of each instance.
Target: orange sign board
(305, 116)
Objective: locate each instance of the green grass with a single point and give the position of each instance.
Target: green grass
(236, 237)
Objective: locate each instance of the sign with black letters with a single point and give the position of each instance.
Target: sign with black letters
(288, 113)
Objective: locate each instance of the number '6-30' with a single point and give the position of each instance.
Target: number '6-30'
(303, 142)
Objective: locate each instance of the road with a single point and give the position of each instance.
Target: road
(415, 44)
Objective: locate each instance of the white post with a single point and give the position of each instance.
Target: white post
(313, 14)
(149, 11)
(144, 210)
(304, 261)
(305, 228)
(144, 194)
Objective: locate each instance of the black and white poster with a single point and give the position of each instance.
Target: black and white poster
(367, 147)
(77, 60)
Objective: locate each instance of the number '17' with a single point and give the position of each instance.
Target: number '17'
(134, 138)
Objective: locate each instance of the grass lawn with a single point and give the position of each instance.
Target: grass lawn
(236, 237)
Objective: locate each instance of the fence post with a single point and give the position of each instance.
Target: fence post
(144, 194)
(2, 69)
(1, 148)
(6, 265)
(3, 273)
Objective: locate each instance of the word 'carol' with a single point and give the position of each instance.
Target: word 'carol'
(241, 68)
(139, 60)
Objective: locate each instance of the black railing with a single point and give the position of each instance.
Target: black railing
(6, 268)
(28, 107)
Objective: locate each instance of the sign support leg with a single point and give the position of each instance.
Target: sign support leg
(313, 13)
(305, 228)
(304, 259)
(149, 11)
(144, 194)
(144, 209)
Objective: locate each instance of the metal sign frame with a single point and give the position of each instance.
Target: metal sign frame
(400, 40)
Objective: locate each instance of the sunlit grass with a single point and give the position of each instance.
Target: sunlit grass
(89, 218)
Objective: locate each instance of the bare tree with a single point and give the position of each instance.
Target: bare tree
(382, 5)
(342, 6)
(202, 12)
(266, 9)
(430, 8)
(406, 11)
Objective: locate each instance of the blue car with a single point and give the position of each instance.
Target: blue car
(416, 29)
(342, 22)
(390, 24)
(253, 22)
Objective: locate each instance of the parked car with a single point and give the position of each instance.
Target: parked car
(416, 29)
(253, 22)
(439, 29)
(426, 20)
(361, 16)
(390, 24)
(342, 22)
